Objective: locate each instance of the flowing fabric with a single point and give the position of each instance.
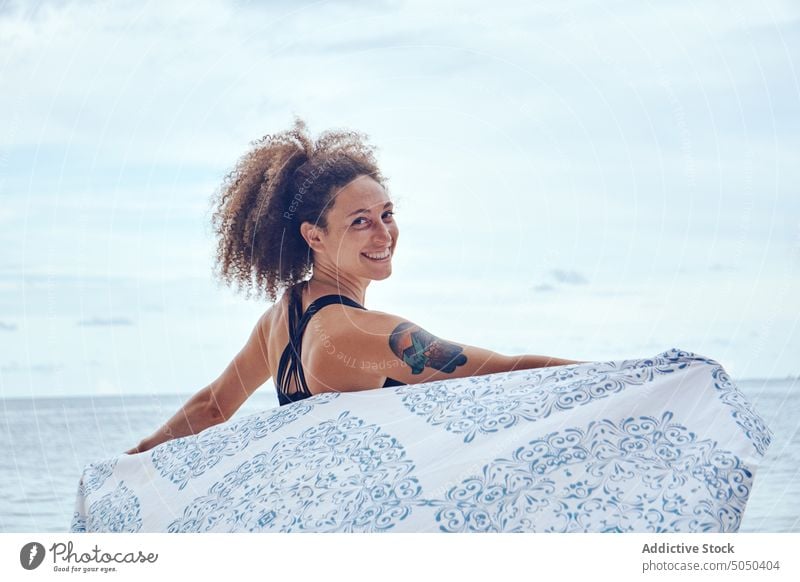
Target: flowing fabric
(664, 444)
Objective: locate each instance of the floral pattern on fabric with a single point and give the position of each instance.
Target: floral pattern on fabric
(115, 512)
(95, 475)
(641, 474)
(182, 459)
(341, 475)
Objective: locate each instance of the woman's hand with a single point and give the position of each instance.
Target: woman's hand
(530, 361)
(218, 401)
(143, 446)
(195, 416)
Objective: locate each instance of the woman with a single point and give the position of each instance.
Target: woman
(292, 208)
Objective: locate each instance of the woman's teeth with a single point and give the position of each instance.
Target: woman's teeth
(377, 256)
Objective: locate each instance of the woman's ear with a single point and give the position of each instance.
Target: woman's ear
(312, 234)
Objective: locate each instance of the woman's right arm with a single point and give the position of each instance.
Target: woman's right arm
(195, 416)
(218, 401)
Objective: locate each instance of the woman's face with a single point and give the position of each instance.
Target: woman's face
(362, 233)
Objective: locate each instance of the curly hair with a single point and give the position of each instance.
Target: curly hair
(284, 180)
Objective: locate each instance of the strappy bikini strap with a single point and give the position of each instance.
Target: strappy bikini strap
(290, 365)
(312, 310)
(290, 358)
(324, 301)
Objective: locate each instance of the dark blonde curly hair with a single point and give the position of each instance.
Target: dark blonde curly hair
(284, 180)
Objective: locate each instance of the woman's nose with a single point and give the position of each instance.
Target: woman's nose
(382, 233)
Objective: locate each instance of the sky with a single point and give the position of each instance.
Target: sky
(587, 180)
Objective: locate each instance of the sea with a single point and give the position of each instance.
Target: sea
(46, 443)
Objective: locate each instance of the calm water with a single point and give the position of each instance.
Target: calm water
(47, 442)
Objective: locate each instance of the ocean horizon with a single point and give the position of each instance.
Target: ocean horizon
(51, 439)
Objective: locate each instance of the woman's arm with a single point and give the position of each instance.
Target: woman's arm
(195, 416)
(381, 344)
(529, 361)
(218, 401)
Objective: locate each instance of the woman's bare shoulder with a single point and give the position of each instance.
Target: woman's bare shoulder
(273, 315)
(368, 320)
(343, 325)
(381, 343)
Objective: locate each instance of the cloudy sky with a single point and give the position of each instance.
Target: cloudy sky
(591, 180)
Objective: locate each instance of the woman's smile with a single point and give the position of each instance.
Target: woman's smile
(380, 256)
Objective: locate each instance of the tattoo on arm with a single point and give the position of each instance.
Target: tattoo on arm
(420, 349)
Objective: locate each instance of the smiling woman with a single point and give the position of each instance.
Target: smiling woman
(309, 223)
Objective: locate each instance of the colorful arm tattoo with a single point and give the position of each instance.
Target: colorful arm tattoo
(420, 349)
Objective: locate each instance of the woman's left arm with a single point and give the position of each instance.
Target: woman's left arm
(526, 362)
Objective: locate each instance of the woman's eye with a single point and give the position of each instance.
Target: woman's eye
(362, 220)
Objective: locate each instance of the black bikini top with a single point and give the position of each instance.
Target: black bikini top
(290, 366)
